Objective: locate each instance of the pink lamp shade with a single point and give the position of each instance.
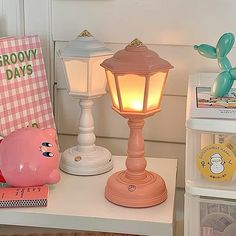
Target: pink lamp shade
(136, 78)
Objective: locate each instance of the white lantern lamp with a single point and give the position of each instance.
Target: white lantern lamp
(86, 80)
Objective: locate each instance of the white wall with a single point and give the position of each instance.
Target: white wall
(11, 17)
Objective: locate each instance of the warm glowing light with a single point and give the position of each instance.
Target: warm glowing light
(112, 88)
(132, 91)
(136, 105)
(156, 85)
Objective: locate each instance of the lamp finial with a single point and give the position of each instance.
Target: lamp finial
(85, 33)
(136, 42)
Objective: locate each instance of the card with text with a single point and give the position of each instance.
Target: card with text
(24, 94)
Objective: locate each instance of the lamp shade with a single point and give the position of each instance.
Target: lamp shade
(81, 61)
(136, 78)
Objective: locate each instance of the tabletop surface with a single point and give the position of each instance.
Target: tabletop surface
(78, 202)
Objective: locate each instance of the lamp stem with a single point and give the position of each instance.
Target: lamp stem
(86, 137)
(135, 161)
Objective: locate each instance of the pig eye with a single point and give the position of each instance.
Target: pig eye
(48, 154)
(46, 144)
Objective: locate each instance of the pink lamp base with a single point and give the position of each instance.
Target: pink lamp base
(130, 192)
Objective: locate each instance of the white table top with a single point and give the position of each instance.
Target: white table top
(79, 203)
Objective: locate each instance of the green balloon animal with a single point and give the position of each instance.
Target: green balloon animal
(225, 79)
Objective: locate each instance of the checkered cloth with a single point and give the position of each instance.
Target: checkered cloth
(24, 100)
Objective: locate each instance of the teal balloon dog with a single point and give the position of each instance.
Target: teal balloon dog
(225, 79)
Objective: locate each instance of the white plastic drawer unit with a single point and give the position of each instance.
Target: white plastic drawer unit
(210, 157)
(206, 216)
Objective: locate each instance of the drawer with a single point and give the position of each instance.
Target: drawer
(210, 163)
(206, 216)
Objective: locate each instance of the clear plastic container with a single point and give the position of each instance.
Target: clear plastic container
(205, 216)
(201, 136)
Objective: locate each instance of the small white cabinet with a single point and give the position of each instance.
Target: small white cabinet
(210, 180)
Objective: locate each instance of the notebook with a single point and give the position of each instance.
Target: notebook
(23, 196)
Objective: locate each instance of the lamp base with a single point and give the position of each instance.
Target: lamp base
(94, 162)
(130, 192)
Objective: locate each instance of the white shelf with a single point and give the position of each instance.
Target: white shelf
(79, 203)
(209, 191)
(212, 125)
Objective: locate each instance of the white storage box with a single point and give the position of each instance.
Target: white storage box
(206, 216)
(210, 139)
(209, 176)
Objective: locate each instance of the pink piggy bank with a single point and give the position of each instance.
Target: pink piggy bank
(30, 157)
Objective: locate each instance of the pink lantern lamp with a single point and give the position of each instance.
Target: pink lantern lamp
(136, 78)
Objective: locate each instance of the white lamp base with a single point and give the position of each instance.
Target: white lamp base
(86, 163)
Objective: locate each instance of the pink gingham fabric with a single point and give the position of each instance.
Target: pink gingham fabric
(25, 100)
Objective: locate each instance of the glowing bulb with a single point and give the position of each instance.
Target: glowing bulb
(137, 105)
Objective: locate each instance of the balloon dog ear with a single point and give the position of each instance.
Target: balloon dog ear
(224, 44)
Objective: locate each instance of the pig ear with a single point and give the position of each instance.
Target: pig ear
(51, 132)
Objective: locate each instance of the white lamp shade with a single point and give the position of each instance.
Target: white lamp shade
(97, 77)
(81, 61)
(76, 73)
